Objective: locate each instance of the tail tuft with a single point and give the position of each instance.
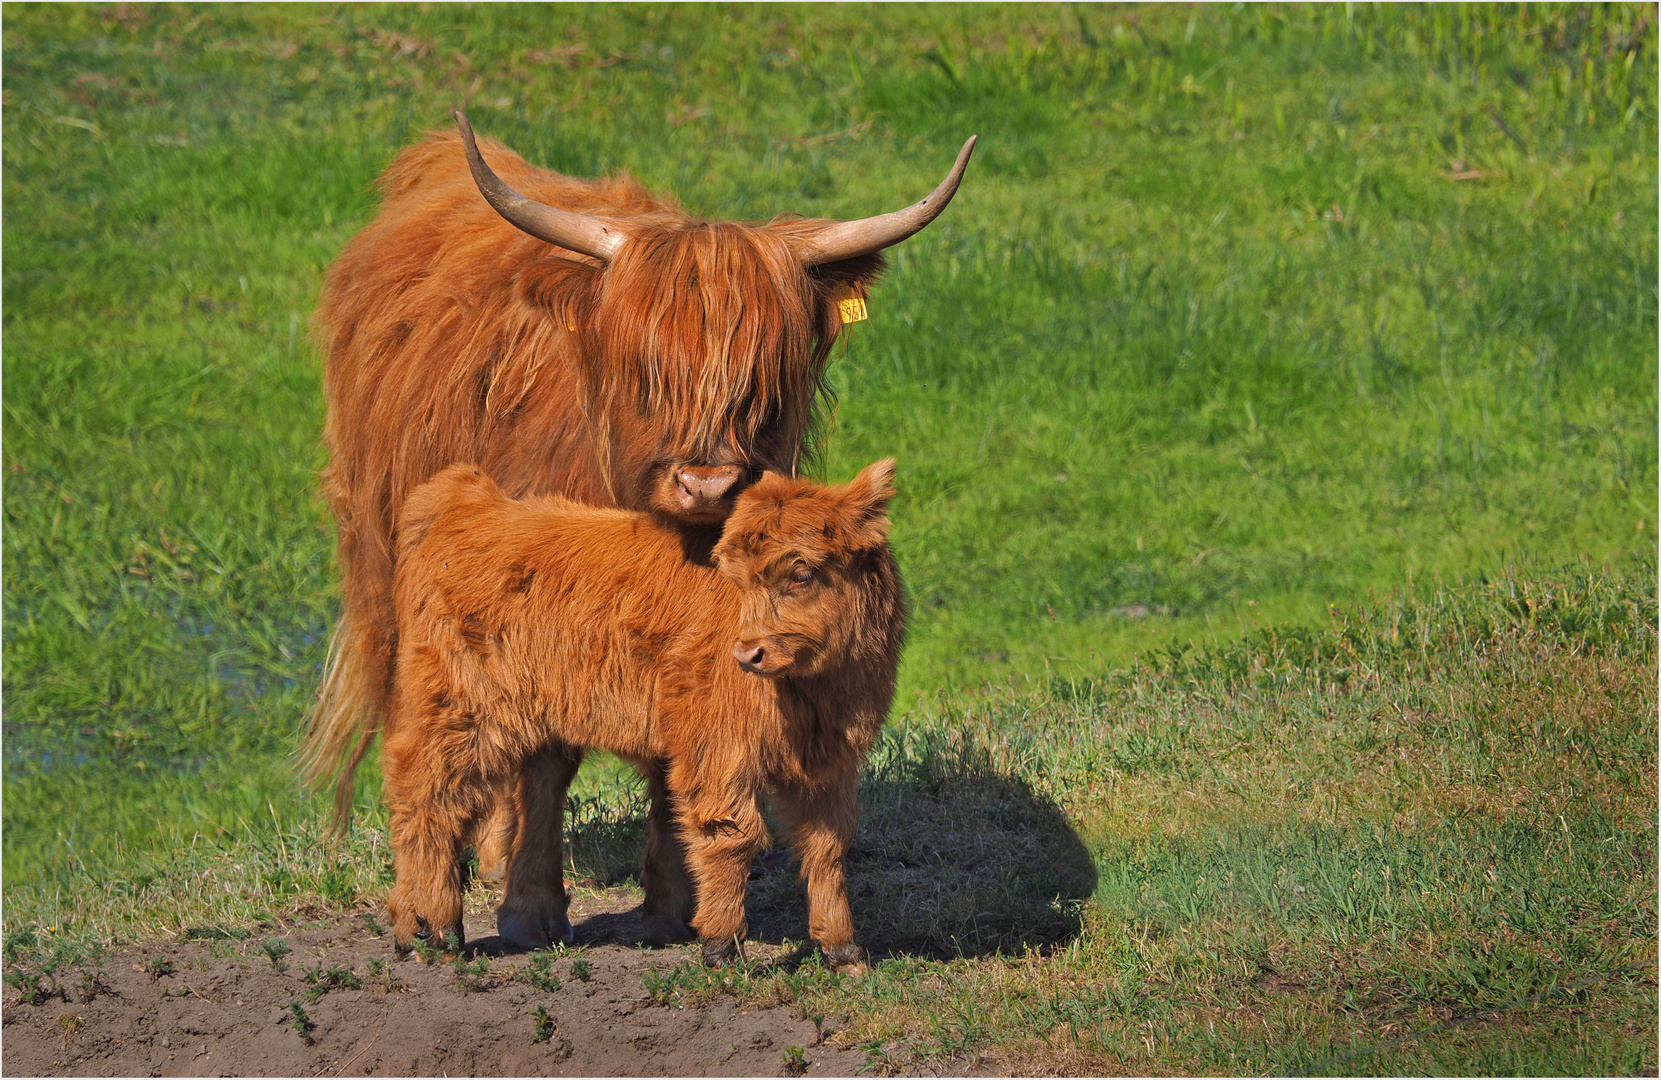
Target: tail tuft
(342, 726)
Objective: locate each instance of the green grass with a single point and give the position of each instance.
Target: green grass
(1239, 314)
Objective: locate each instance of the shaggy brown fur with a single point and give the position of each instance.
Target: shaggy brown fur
(544, 627)
(696, 355)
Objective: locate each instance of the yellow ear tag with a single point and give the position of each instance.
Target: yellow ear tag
(853, 310)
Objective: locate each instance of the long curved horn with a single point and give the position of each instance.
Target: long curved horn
(575, 232)
(848, 239)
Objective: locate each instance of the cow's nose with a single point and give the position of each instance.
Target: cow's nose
(708, 483)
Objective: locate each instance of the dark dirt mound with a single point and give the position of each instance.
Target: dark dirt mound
(217, 1008)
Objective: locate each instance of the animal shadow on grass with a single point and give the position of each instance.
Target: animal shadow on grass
(953, 857)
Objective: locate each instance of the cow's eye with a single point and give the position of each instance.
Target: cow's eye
(801, 577)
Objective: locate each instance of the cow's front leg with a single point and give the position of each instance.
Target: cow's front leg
(533, 911)
(821, 827)
(667, 909)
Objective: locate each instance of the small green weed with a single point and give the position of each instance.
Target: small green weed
(471, 975)
(158, 967)
(877, 1059)
(35, 967)
(691, 982)
(539, 973)
(425, 950)
(300, 1022)
(69, 1024)
(381, 971)
(322, 980)
(274, 949)
(92, 982)
(795, 1061)
(371, 924)
(579, 970)
(543, 1026)
(34, 986)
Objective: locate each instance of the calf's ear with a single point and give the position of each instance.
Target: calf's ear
(868, 495)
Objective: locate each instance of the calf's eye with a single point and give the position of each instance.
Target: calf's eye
(801, 577)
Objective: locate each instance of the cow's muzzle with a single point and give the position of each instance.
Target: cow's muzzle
(707, 489)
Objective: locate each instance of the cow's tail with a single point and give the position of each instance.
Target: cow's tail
(342, 725)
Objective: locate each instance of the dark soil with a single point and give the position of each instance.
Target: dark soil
(226, 1009)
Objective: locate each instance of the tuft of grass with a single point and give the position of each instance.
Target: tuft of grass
(794, 1061)
(579, 970)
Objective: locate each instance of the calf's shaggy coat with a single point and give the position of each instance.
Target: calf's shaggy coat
(544, 627)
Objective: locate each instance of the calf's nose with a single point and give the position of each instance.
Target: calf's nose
(708, 483)
(749, 655)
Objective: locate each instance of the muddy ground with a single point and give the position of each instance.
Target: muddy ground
(222, 1008)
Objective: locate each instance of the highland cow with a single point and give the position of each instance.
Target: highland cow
(585, 339)
(546, 627)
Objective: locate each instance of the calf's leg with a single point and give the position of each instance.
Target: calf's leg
(534, 904)
(432, 805)
(722, 835)
(821, 827)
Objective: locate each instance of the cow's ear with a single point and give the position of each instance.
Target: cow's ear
(857, 272)
(847, 280)
(868, 497)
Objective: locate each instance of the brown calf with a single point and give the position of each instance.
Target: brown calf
(541, 628)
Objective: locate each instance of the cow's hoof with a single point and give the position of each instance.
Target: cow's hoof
(534, 929)
(719, 951)
(846, 959)
(662, 928)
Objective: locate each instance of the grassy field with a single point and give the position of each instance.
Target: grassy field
(1240, 314)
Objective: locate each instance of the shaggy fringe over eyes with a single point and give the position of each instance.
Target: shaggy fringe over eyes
(717, 331)
(712, 325)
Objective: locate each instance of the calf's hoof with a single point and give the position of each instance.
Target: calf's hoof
(534, 929)
(664, 928)
(452, 940)
(846, 959)
(718, 951)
